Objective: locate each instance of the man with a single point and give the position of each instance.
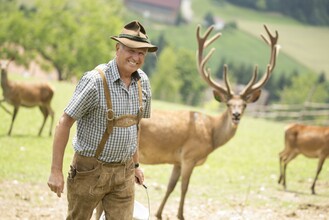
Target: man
(107, 104)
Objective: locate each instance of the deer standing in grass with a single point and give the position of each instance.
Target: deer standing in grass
(311, 141)
(186, 138)
(27, 95)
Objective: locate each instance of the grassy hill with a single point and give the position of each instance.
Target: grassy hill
(304, 48)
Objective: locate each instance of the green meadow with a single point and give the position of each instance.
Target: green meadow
(239, 176)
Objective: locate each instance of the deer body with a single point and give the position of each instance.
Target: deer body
(27, 95)
(173, 136)
(310, 141)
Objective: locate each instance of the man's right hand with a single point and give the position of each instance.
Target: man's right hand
(56, 182)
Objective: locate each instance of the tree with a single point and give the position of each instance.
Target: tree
(193, 87)
(166, 82)
(176, 78)
(300, 90)
(70, 36)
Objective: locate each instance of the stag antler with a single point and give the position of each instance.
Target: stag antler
(201, 61)
(252, 85)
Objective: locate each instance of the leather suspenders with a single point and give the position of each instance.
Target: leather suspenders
(120, 121)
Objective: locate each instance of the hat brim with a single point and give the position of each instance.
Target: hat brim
(135, 44)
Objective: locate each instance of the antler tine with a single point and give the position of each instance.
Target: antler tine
(227, 83)
(201, 61)
(272, 42)
(267, 74)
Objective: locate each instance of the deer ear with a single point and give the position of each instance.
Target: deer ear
(220, 97)
(253, 97)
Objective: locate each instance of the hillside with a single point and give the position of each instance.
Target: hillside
(303, 47)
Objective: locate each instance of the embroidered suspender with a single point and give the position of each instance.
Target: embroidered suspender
(121, 121)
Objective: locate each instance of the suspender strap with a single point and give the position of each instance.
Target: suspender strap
(111, 121)
(110, 115)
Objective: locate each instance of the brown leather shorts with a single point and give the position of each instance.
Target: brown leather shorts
(91, 181)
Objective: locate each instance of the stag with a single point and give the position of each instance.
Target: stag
(310, 141)
(186, 138)
(27, 95)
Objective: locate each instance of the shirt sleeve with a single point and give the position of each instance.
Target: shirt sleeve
(84, 99)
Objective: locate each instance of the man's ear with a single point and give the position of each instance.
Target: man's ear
(220, 97)
(253, 97)
(117, 46)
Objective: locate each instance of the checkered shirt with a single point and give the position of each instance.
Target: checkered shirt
(88, 107)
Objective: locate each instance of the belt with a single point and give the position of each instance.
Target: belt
(114, 164)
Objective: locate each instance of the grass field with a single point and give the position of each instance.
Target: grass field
(238, 179)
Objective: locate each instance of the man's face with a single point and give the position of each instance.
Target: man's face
(129, 59)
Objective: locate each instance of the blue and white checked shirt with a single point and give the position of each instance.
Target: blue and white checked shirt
(88, 107)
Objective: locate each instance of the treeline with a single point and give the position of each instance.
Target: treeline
(313, 12)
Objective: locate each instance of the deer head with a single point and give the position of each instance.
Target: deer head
(236, 103)
(4, 63)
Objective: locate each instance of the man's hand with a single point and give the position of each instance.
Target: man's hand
(139, 176)
(56, 182)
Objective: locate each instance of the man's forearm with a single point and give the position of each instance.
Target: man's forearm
(61, 138)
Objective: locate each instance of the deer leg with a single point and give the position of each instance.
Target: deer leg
(281, 171)
(175, 174)
(187, 169)
(291, 156)
(51, 112)
(4, 108)
(284, 176)
(13, 119)
(320, 164)
(45, 114)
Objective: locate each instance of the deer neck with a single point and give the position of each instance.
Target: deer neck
(4, 80)
(224, 129)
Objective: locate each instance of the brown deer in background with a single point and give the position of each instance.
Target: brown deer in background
(310, 141)
(186, 138)
(27, 95)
